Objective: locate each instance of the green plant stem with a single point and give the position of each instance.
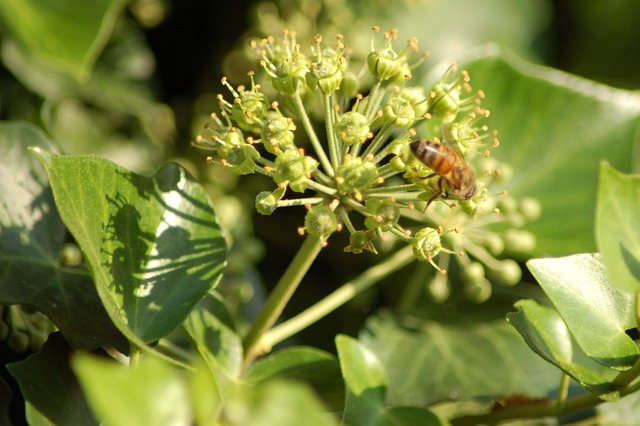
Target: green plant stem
(563, 391)
(334, 149)
(253, 342)
(313, 137)
(346, 292)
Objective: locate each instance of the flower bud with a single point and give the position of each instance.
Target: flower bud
(445, 102)
(530, 208)
(360, 241)
(355, 175)
(384, 214)
(507, 273)
(478, 292)
(294, 168)
(289, 75)
(241, 159)
(519, 242)
(352, 127)
(248, 110)
(426, 244)
(320, 221)
(267, 202)
(399, 112)
(384, 64)
(473, 272)
(277, 134)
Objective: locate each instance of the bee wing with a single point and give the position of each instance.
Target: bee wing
(452, 142)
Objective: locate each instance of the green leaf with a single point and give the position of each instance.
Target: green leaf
(50, 389)
(620, 413)
(64, 34)
(365, 382)
(410, 416)
(596, 312)
(313, 366)
(5, 399)
(429, 362)
(150, 393)
(618, 227)
(216, 342)
(547, 335)
(554, 130)
(31, 238)
(153, 244)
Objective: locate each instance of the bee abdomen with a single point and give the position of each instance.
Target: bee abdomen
(434, 155)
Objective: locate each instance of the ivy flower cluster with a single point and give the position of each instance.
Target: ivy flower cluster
(337, 142)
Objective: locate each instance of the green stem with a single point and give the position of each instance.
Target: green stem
(563, 391)
(346, 292)
(372, 148)
(253, 342)
(334, 149)
(313, 137)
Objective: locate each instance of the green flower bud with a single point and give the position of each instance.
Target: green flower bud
(439, 288)
(494, 244)
(350, 85)
(356, 175)
(473, 273)
(289, 75)
(530, 208)
(399, 112)
(294, 168)
(267, 202)
(519, 242)
(478, 292)
(327, 73)
(507, 272)
(415, 95)
(249, 109)
(352, 127)
(277, 134)
(70, 255)
(384, 64)
(241, 159)
(320, 221)
(398, 164)
(426, 244)
(384, 214)
(445, 102)
(360, 241)
(507, 204)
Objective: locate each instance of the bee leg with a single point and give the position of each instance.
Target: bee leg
(436, 195)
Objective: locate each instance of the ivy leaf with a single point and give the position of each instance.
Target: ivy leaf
(36, 26)
(618, 227)
(216, 342)
(547, 335)
(150, 393)
(596, 312)
(365, 381)
(51, 390)
(31, 239)
(429, 362)
(318, 368)
(153, 244)
(547, 142)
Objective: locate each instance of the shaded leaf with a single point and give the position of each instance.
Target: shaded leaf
(31, 238)
(620, 413)
(429, 362)
(216, 342)
(365, 382)
(596, 312)
(50, 388)
(153, 244)
(554, 130)
(618, 227)
(65, 34)
(150, 393)
(547, 335)
(5, 399)
(410, 416)
(318, 368)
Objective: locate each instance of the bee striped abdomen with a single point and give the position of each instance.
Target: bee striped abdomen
(436, 156)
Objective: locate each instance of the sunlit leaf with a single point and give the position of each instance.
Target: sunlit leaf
(596, 312)
(548, 336)
(554, 130)
(365, 382)
(618, 227)
(454, 361)
(31, 238)
(318, 368)
(153, 243)
(65, 34)
(50, 388)
(218, 344)
(150, 393)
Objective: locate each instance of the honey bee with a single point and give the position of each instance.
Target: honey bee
(456, 177)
